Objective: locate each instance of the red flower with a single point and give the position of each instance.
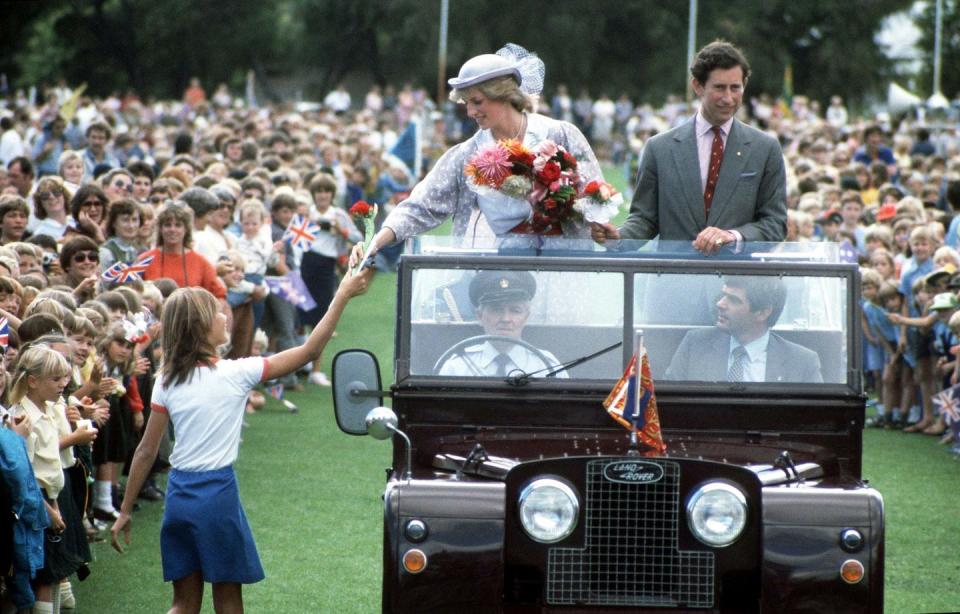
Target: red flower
(549, 203)
(550, 172)
(592, 188)
(361, 208)
(570, 159)
(526, 158)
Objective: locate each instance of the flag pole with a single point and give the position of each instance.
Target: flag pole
(635, 410)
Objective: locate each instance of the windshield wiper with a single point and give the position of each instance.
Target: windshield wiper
(523, 378)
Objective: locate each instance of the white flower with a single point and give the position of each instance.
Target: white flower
(516, 186)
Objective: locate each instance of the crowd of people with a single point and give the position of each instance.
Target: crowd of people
(108, 206)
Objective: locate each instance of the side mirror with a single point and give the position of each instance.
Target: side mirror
(356, 389)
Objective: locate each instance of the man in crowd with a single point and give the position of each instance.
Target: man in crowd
(96, 154)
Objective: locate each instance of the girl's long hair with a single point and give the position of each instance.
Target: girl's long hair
(188, 316)
(38, 361)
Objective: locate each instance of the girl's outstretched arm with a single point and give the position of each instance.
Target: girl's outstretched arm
(288, 361)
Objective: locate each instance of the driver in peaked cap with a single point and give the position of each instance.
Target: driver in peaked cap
(502, 303)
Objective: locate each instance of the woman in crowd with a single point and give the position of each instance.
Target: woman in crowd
(173, 257)
(50, 215)
(89, 210)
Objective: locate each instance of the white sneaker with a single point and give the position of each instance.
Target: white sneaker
(318, 378)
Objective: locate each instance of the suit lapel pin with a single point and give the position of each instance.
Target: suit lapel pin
(738, 153)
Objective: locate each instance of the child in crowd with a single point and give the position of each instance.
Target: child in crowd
(115, 349)
(871, 313)
(241, 296)
(205, 535)
(257, 250)
(123, 231)
(894, 396)
(882, 261)
(39, 382)
(916, 340)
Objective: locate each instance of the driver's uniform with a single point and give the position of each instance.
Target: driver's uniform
(481, 360)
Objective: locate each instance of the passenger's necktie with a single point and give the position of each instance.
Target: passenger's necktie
(501, 360)
(736, 372)
(713, 171)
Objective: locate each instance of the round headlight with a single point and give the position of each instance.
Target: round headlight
(548, 510)
(717, 513)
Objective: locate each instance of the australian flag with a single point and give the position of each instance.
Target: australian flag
(291, 288)
(120, 272)
(633, 413)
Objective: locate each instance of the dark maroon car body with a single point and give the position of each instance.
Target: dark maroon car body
(793, 450)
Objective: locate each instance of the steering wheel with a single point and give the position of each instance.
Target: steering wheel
(457, 349)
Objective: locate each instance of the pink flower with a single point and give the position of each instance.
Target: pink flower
(492, 165)
(547, 149)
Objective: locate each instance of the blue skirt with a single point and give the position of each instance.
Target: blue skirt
(204, 529)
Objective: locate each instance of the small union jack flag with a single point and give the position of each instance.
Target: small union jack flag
(121, 271)
(948, 402)
(301, 232)
(276, 391)
(4, 332)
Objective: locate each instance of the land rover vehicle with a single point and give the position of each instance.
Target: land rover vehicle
(519, 493)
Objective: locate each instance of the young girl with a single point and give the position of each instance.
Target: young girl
(40, 378)
(871, 312)
(123, 232)
(119, 387)
(319, 264)
(205, 536)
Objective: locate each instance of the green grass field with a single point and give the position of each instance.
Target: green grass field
(312, 495)
(313, 498)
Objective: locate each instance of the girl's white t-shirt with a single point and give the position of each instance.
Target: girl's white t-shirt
(207, 412)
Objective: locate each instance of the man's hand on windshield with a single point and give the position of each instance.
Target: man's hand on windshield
(711, 239)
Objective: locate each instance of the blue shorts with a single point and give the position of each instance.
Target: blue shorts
(204, 529)
(874, 357)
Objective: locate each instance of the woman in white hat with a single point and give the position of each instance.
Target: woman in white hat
(498, 90)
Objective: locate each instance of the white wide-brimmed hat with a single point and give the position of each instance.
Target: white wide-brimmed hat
(511, 60)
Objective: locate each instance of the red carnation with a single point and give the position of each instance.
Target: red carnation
(592, 188)
(361, 208)
(550, 172)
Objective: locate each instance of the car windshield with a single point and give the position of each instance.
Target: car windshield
(532, 317)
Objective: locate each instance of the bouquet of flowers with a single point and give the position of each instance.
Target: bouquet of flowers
(546, 177)
(599, 202)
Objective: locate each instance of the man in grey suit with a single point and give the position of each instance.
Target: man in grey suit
(741, 348)
(713, 180)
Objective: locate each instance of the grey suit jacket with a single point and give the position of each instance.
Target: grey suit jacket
(751, 194)
(703, 355)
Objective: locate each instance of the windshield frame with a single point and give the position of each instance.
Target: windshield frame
(628, 267)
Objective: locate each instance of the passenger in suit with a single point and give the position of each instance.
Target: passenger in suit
(741, 347)
(713, 180)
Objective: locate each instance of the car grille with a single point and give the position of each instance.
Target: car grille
(631, 556)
